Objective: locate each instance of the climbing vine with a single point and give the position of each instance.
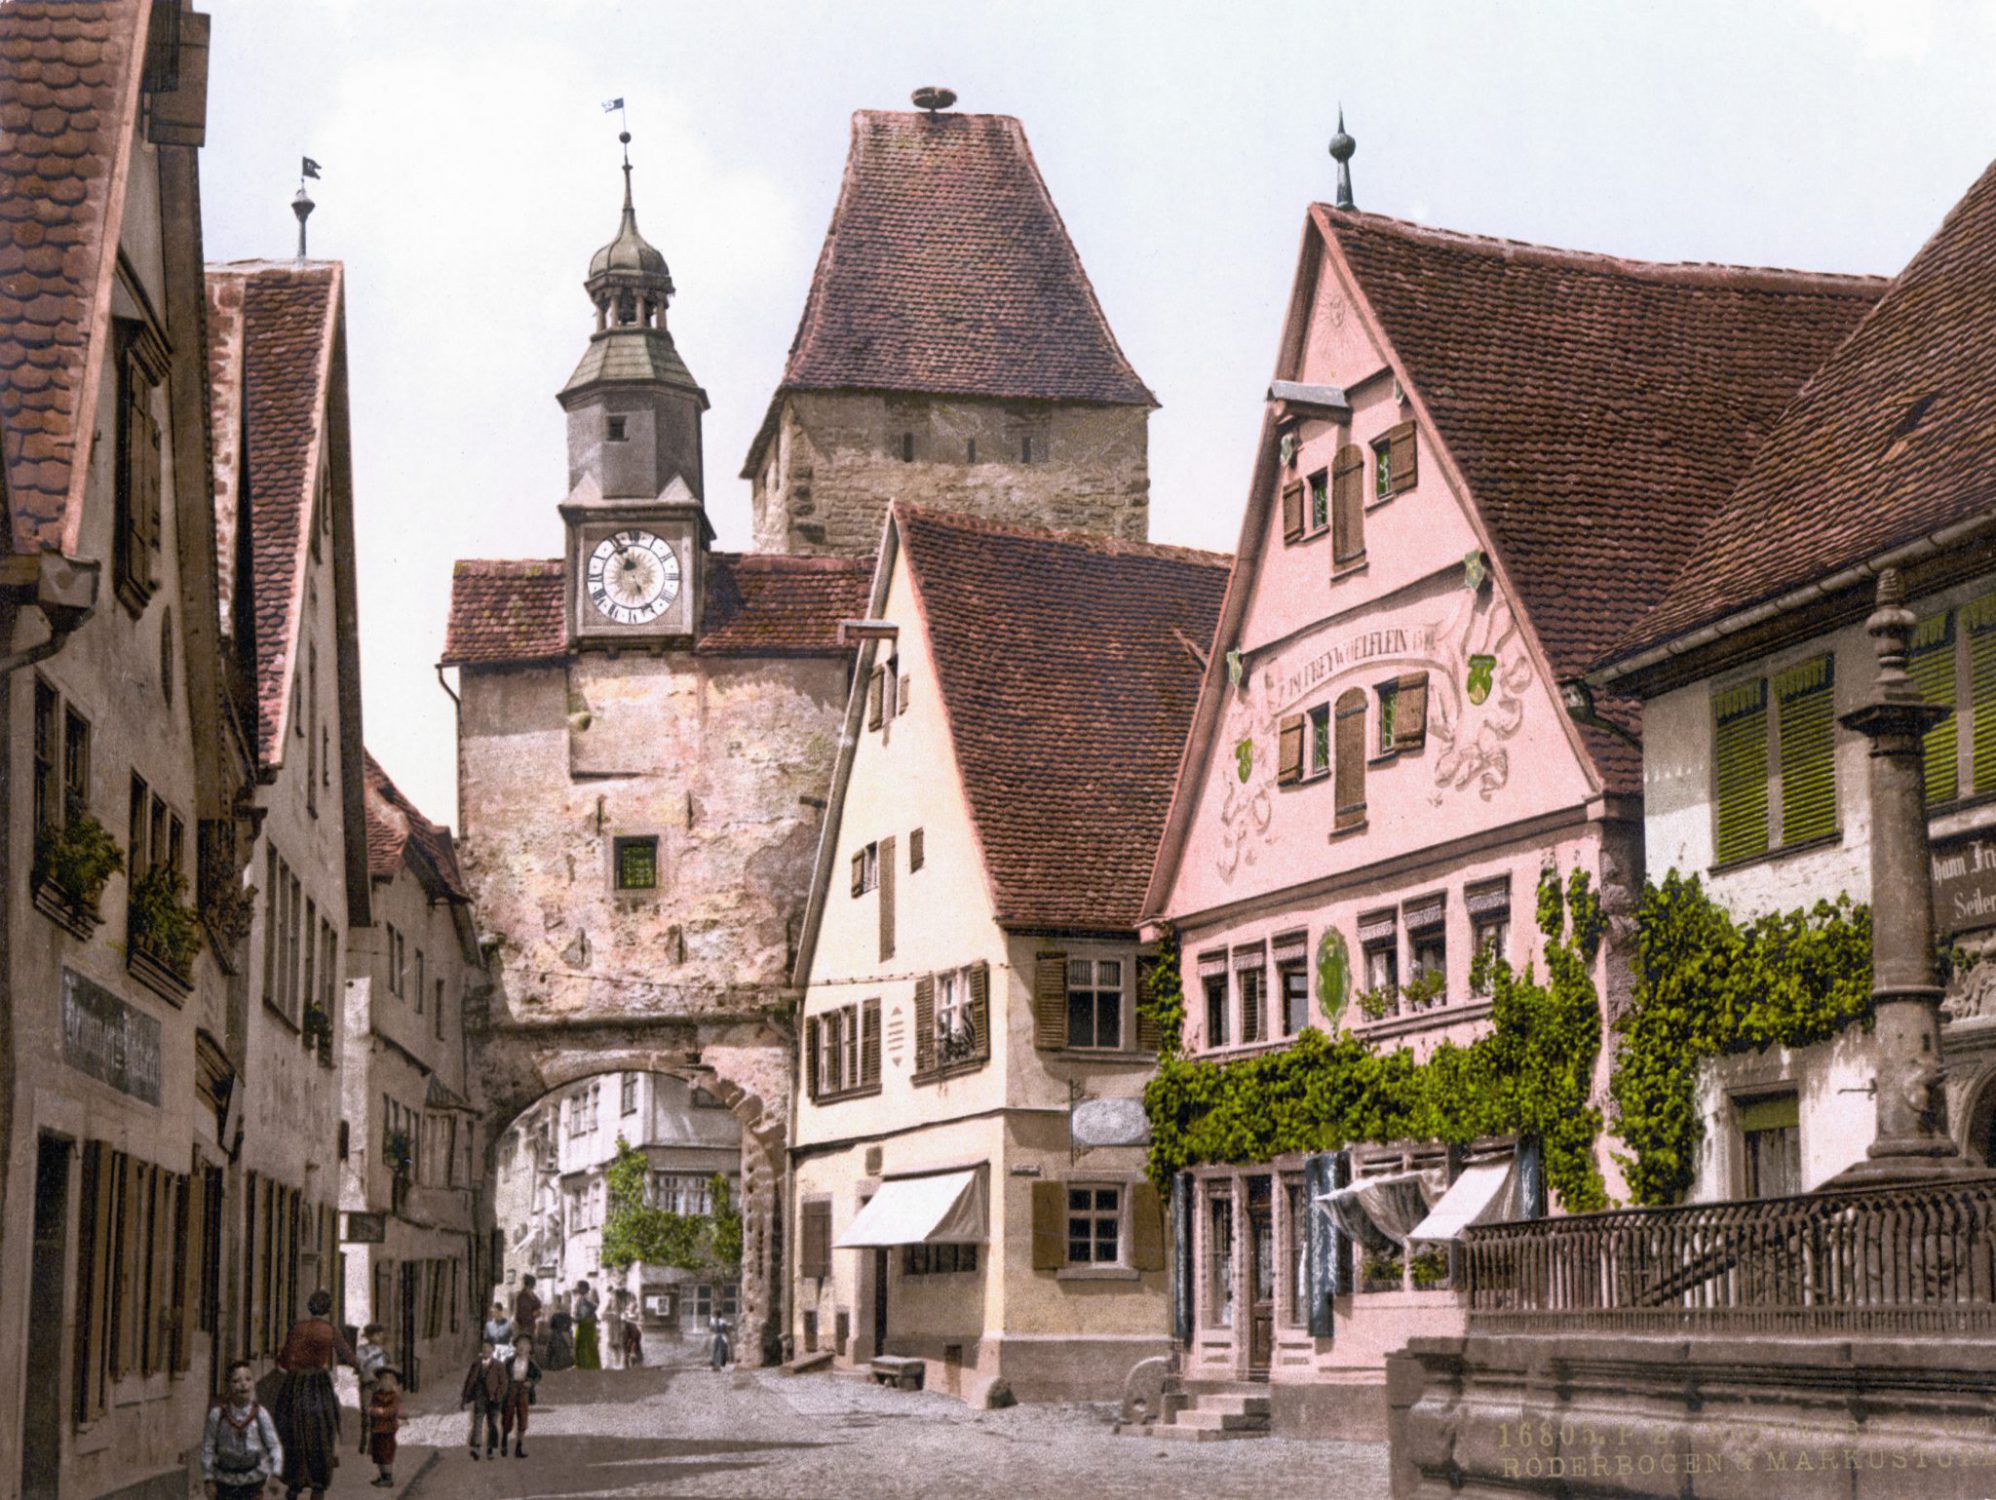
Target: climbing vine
(1162, 1002)
(1707, 985)
(1530, 1075)
(634, 1230)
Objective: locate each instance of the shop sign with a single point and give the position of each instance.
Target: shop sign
(1964, 872)
(113, 1042)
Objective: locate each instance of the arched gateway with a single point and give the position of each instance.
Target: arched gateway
(645, 733)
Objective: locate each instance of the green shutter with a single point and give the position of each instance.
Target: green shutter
(1981, 619)
(1806, 717)
(1930, 664)
(1740, 753)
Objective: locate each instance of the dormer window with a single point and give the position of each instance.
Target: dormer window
(616, 432)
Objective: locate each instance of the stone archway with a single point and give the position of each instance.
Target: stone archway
(1973, 1115)
(743, 1063)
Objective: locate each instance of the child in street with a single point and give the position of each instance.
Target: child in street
(240, 1452)
(384, 1420)
(485, 1394)
(368, 1360)
(522, 1375)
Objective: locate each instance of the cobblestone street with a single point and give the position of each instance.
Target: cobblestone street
(687, 1431)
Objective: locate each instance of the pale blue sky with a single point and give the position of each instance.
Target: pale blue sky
(469, 174)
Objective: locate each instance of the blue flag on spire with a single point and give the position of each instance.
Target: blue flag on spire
(610, 104)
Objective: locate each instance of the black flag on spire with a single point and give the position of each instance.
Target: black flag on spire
(309, 168)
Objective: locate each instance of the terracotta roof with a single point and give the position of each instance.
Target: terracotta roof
(1599, 409)
(67, 81)
(1894, 438)
(1069, 689)
(510, 612)
(397, 833)
(947, 268)
(281, 344)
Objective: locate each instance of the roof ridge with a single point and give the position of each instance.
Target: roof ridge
(465, 565)
(829, 564)
(1602, 262)
(1107, 546)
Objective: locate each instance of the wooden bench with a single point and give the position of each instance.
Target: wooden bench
(898, 1371)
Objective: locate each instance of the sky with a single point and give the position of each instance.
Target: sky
(469, 172)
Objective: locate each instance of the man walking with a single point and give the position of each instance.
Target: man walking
(526, 1313)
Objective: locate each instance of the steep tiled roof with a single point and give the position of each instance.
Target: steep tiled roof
(66, 89)
(1893, 439)
(510, 612)
(1069, 689)
(947, 268)
(283, 338)
(397, 831)
(1599, 409)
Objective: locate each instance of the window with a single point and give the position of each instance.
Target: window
(1771, 1142)
(1306, 511)
(1379, 941)
(938, 1260)
(440, 1010)
(48, 768)
(1347, 508)
(952, 1021)
(1349, 748)
(866, 869)
(627, 1101)
(1217, 1034)
(1251, 979)
(75, 763)
(422, 981)
(843, 1045)
(1319, 517)
(1489, 907)
(952, 1012)
(1293, 975)
(970, 450)
(1756, 811)
(1393, 460)
(636, 863)
(137, 840)
(166, 655)
(1296, 1226)
(1403, 713)
(616, 432)
(1427, 938)
(1220, 1256)
(907, 447)
(1029, 451)
(1094, 1222)
(312, 740)
(1094, 1002)
(688, 1194)
(1304, 746)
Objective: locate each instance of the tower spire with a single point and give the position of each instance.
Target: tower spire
(1342, 147)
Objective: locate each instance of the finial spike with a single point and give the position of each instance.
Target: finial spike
(302, 205)
(1342, 146)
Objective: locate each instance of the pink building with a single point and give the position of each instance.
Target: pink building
(1479, 464)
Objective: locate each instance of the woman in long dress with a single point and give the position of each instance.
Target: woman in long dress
(306, 1409)
(588, 1356)
(611, 1338)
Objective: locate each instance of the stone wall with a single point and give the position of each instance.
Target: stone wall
(838, 457)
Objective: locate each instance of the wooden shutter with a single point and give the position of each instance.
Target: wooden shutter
(1400, 457)
(1805, 708)
(1049, 1226)
(980, 1010)
(1350, 751)
(925, 1025)
(810, 1066)
(917, 850)
(1050, 1000)
(814, 1250)
(887, 898)
(1150, 1039)
(128, 1256)
(876, 699)
(1410, 712)
(1348, 506)
(859, 873)
(1930, 663)
(1292, 512)
(869, 1044)
(1740, 762)
(93, 1276)
(160, 1282)
(1146, 1228)
(1980, 617)
(1289, 757)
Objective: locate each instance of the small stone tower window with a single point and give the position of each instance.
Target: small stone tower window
(907, 447)
(1029, 452)
(616, 433)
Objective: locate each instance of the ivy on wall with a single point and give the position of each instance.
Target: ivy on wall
(1707, 985)
(633, 1231)
(1530, 1075)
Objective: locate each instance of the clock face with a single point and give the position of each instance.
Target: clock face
(633, 577)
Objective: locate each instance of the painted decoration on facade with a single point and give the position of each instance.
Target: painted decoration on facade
(1333, 977)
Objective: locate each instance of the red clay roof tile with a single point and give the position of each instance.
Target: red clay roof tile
(1069, 690)
(397, 831)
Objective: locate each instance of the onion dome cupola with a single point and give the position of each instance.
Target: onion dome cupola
(633, 406)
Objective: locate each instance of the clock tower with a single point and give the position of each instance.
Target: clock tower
(637, 525)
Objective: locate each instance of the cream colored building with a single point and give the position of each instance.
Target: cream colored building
(968, 1184)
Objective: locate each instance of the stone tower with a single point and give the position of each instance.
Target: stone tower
(951, 353)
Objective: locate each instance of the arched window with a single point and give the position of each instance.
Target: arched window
(1350, 773)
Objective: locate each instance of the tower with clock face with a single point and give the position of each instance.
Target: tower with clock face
(637, 527)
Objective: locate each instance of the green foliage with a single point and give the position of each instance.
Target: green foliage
(633, 1231)
(1707, 985)
(1162, 1001)
(1531, 1075)
(162, 923)
(1429, 1266)
(78, 856)
(1423, 989)
(1376, 1004)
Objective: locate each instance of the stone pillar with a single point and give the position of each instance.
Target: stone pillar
(1913, 1140)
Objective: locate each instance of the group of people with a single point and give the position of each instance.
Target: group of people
(582, 1333)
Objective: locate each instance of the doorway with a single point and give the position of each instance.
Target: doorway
(879, 1301)
(41, 1407)
(1261, 1277)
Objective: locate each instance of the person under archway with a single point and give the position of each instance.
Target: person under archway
(306, 1409)
(587, 1354)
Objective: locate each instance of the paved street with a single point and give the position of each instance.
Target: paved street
(687, 1431)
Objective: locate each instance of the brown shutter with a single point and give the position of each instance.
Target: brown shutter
(814, 1250)
(811, 1057)
(925, 1025)
(129, 1256)
(916, 850)
(1150, 1038)
(1049, 1226)
(159, 1279)
(1292, 512)
(93, 1241)
(869, 1044)
(980, 1009)
(1400, 456)
(901, 700)
(859, 873)
(1050, 1000)
(1348, 506)
(1350, 744)
(1410, 712)
(1146, 1228)
(1289, 759)
(887, 898)
(876, 699)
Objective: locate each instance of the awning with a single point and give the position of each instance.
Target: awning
(947, 1209)
(1483, 1194)
(1378, 1212)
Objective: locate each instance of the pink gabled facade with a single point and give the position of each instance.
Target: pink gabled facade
(1382, 761)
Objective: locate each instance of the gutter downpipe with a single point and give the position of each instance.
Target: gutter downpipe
(1909, 552)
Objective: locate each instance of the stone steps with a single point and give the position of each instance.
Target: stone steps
(1213, 1415)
